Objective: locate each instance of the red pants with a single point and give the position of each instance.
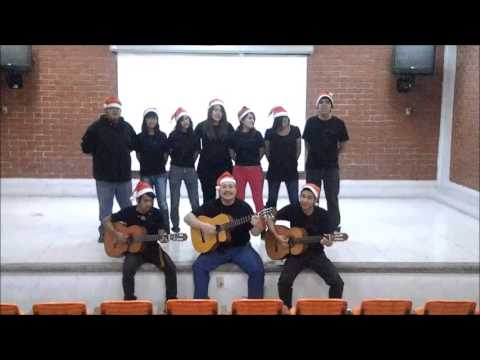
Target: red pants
(254, 176)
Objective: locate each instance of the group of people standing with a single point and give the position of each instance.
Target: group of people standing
(229, 159)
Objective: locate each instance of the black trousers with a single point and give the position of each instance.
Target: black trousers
(331, 181)
(208, 180)
(133, 262)
(318, 262)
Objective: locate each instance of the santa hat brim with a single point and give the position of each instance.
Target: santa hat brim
(112, 105)
(245, 114)
(179, 116)
(136, 195)
(312, 189)
(282, 113)
(324, 96)
(219, 102)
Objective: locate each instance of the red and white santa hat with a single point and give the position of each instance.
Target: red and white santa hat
(215, 102)
(278, 111)
(141, 189)
(112, 102)
(179, 113)
(244, 111)
(151, 110)
(324, 94)
(225, 178)
(313, 188)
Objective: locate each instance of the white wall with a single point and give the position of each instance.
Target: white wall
(167, 81)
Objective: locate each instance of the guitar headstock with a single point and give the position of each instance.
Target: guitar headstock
(174, 237)
(270, 211)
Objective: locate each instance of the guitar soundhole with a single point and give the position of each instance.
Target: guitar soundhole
(201, 234)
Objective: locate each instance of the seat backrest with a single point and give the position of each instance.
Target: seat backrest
(192, 307)
(257, 307)
(60, 308)
(386, 307)
(126, 307)
(320, 307)
(9, 309)
(449, 307)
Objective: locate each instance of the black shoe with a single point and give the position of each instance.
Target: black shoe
(100, 238)
(338, 229)
(176, 229)
(129, 298)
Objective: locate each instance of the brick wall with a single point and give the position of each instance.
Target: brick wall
(464, 165)
(40, 134)
(384, 142)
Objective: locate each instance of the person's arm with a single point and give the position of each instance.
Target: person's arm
(89, 143)
(192, 221)
(233, 156)
(261, 152)
(108, 225)
(256, 229)
(267, 149)
(342, 146)
(299, 147)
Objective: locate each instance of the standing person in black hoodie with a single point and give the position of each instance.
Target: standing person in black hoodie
(214, 155)
(110, 139)
(152, 152)
(184, 150)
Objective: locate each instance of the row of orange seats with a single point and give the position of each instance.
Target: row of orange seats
(254, 307)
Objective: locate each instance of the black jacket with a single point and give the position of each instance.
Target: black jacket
(110, 146)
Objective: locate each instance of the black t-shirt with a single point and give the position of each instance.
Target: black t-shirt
(316, 224)
(240, 234)
(182, 148)
(214, 156)
(152, 149)
(323, 136)
(152, 221)
(283, 155)
(247, 147)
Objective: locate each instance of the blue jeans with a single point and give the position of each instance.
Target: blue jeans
(106, 190)
(244, 256)
(274, 187)
(189, 176)
(159, 183)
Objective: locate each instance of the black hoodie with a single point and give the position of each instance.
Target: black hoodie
(110, 144)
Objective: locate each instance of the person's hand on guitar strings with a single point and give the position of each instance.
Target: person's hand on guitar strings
(207, 229)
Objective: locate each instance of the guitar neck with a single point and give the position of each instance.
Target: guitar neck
(316, 239)
(149, 238)
(237, 222)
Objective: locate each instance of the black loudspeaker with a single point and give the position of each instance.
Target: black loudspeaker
(16, 57)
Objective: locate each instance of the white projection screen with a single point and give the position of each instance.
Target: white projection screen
(167, 81)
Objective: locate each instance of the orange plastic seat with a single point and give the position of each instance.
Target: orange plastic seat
(192, 307)
(384, 307)
(447, 307)
(319, 307)
(257, 307)
(126, 307)
(60, 308)
(10, 309)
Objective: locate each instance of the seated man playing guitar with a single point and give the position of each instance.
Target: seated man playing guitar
(237, 249)
(145, 215)
(315, 220)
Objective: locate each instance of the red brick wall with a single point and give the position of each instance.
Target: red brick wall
(464, 165)
(384, 142)
(41, 133)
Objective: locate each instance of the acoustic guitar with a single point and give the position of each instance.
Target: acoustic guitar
(136, 237)
(224, 224)
(297, 241)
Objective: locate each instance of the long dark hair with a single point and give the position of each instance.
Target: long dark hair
(144, 124)
(251, 132)
(178, 127)
(277, 123)
(223, 125)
